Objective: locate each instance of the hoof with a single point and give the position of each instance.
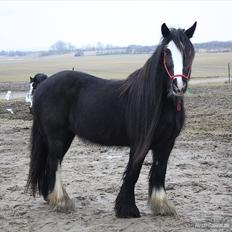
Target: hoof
(164, 208)
(63, 204)
(127, 211)
(160, 205)
(65, 207)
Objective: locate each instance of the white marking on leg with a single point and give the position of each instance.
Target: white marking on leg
(59, 198)
(159, 203)
(56, 196)
(158, 194)
(58, 184)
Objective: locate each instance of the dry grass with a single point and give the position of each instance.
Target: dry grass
(211, 64)
(113, 66)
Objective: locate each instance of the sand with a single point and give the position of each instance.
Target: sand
(199, 175)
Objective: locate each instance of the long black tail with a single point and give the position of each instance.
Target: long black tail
(39, 151)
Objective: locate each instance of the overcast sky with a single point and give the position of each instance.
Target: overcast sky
(38, 24)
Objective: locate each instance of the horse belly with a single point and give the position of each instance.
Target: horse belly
(99, 122)
(101, 133)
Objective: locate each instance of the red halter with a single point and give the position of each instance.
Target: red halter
(172, 77)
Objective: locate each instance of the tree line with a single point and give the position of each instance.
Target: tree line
(61, 47)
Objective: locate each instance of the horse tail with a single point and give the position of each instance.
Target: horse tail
(38, 160)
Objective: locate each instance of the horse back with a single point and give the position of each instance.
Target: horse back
(90, 107)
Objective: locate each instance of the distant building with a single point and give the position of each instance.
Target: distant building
(79, 53)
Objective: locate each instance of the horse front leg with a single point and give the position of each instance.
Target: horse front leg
(159, 203)
(125, 206)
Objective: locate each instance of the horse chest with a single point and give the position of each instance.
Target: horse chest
(170, 125)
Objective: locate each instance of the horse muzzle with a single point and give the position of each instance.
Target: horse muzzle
(179, 85)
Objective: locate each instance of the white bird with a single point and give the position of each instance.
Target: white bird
(8, 95)
(10, 110)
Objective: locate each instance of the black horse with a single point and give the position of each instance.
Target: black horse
(34, 83)
(144, 112)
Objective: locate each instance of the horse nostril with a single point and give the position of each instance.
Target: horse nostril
(175, 88)
(185, 87)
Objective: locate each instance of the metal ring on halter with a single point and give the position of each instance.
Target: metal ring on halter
(172, 77)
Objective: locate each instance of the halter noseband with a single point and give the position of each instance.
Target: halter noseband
(172, 77)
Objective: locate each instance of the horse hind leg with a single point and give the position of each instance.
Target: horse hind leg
(57, 197)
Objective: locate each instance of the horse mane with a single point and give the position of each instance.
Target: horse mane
(144, 90)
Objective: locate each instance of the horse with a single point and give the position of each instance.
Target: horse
(143, 112)
(34, 83)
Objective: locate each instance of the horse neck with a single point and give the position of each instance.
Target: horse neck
(148, 82)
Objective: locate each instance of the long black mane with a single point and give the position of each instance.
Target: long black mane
(143, 89)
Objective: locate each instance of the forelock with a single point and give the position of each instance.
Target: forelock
(182, 42)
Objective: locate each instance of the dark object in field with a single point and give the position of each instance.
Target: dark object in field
(144, 112)
(34, 83)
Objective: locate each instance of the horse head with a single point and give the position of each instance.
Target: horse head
(36, 80)
(178, 55)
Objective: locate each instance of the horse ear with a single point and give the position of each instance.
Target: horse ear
(31, 79)
(165, 31)
(191, 30)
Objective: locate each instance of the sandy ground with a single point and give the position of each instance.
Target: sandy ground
(199, 176)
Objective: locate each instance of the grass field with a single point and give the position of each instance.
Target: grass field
(113, 66)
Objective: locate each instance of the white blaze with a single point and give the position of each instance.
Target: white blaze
(177, 59)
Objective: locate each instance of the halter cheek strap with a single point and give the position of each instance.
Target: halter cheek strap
(172, 77)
